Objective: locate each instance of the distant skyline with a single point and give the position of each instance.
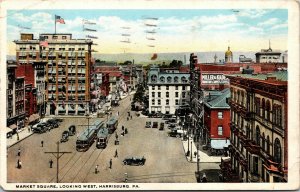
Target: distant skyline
(193, 30)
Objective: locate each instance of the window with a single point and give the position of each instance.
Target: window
(162, 79)
(268, 109)
(183, 87)
(158, 87)
(55, 37)
(153, 94)
(167, 94)
(263, 107)
(268, 144)
(277, 151)
(220, 130)
(175, 79)
(158, 94)
(183, 79)
(169, 79)
(153, 78)
(183, 95)
(176, 102)
(263, 142)
(255, 165)
(176, 87)
(167, 102)
(220, 115)
(176, 94)
(167, 87)
(257, 106)
(257, 135)
(158, 102)
(153, 102)
(183, 101)
(153, 87)
(45, 37)
(64, 37)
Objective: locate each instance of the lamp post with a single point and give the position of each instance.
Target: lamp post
(107, 113)
(191, 150)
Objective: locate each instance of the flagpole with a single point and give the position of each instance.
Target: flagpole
(55, 23)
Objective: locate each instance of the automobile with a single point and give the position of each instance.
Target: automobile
(58, 119)
(176, 133)
(172, 125)
(159, 115)
(161, 126)
(148, 124)
(64, 136)
(155, 124)
(72, 130)
(53, 122)
(134, 161)
(41, 128)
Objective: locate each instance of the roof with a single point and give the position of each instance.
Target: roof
(217, 99)
(280, 76)
(103, 132)
(112, 120)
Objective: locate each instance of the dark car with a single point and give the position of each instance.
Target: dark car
(72, 130)
(176, 133)
(41, 128)
(53, 122)
(148, 124)
(155, 124)
(161, 126)
(134, 161)
(65, 136)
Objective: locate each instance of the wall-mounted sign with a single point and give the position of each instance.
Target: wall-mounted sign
(213, 78)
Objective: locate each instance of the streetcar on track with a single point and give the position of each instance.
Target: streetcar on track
(88, 136)
(102, 138)
(112, 124)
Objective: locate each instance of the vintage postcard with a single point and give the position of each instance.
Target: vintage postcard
(149, 95)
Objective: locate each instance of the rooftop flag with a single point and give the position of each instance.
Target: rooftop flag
(59, 19)
(44, 44)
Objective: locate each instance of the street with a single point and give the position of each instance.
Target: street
(165, 159)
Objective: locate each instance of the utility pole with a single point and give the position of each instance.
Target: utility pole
(57, 154)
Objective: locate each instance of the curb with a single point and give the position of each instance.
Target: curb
(19, 140)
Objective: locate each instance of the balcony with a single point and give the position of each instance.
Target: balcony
(253, 148)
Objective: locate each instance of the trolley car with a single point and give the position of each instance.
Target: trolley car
(87, 137)
(102, 138)
(112, 124)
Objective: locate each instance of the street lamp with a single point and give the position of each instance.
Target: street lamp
(107, 113)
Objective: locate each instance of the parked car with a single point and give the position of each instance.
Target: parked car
(161, 126)
(41, 127)
(176, 133)
(65, 136)
(155, 124)
(72, 130)
(167, 116)
(148, 124)
(53, 122)
(134, 161)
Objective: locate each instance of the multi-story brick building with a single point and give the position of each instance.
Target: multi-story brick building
(67, 72)
(259, 129)
(15, 110)
(168, 90)
(216, 130)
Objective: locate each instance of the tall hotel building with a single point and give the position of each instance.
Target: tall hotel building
(67, 61)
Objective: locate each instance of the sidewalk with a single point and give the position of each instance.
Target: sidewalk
(204, 158)
(22, 135)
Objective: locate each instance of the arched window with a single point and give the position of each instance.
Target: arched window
(268, 144)
(263, 106)
(248, 131)
(279, 121)
(277, 151)
(257, 105)
(268, 109)
(242, 98)
(183, 79)
(169, 79)
(162, 79)
(153, 78)
(274, 113)
(175, 79)
(257, 135)
(263, 141)
(238, 96)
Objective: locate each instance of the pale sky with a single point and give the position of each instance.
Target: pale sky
(177, 30)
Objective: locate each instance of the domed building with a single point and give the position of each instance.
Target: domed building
(228, 56)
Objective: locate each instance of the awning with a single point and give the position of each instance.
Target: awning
(219, 143)
(13, 126)
(33, 117)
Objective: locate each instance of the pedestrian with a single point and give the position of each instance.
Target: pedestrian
(122, 128)
(50, 163)
(127, 118)
(117, 136)
(19, 152)
(96, 169)
(195, 153)
(110, 163)
(116, 153)
(131, 117)
(42, 143)
(126, 131)
(18, 164)
(28, 129)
